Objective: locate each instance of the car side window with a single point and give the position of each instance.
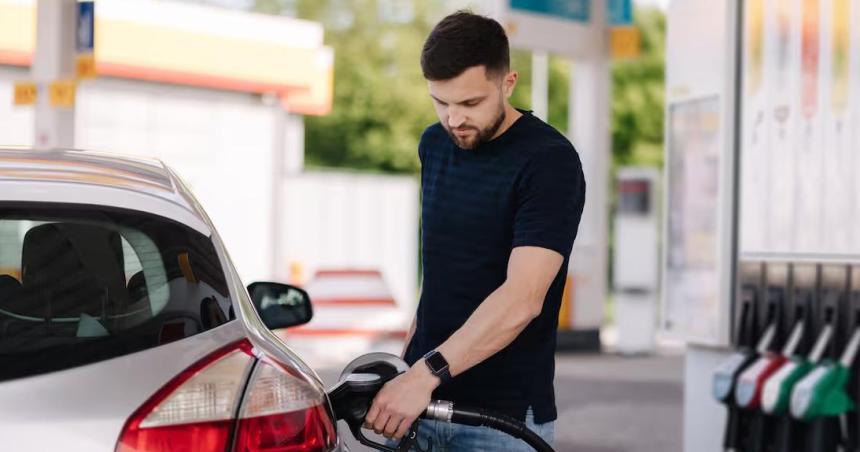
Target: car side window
(83, 284)
(132, 262)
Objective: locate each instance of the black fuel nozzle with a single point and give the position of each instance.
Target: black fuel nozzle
(725, 377)
(363, 378)
(726, 374)
(353, 394)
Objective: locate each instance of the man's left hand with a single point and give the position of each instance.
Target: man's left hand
(399, 403)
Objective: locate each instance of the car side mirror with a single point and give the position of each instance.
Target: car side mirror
(280, 305)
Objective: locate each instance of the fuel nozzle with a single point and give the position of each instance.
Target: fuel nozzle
(362, 379)
(726, 374)
(822, 391)
(359, 383)
(751, 381)
(778, 390)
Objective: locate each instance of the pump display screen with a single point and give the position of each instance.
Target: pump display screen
(634, 196)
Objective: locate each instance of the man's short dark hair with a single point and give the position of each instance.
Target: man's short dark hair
(463, 40)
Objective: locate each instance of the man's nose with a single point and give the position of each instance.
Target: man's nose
(455, 119)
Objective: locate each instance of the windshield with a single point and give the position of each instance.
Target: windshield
(83, 284)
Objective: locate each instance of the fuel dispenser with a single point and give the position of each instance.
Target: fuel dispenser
(635, 274)
(789, 434)
(796, 390)
(853, 389)
(751, 381)
(748, 348)
(821, 397)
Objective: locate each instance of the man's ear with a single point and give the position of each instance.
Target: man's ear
(509, 83)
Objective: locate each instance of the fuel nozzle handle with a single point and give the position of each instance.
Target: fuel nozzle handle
(362, 379)
(850, 352)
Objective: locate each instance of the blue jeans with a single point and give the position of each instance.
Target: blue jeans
(455, 438)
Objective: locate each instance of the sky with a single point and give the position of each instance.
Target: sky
(663, 4)
(247, 3)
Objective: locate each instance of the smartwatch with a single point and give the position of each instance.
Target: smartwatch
(438, 365)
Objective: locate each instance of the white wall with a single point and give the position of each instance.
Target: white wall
(220, 143)
(357, 221)
(16, 123)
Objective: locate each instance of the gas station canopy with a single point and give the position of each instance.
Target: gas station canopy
(191, 45)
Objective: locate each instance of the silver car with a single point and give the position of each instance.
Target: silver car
(124, 326)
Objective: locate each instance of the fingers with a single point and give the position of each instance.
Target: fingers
(392, 412)
(372, 414)
(391, 428)
(384, 422)
(403, 429)
(378, 417)
(381, 422)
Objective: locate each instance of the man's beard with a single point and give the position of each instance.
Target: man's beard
(482, 136)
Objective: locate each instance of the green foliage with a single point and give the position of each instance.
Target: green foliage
(637, 96)
(381, 104)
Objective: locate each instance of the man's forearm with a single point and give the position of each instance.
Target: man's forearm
(492, 327)
(409, 335)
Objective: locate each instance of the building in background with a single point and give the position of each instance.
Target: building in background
(220, 95)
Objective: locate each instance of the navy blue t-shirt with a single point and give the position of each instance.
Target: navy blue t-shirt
(524, 188)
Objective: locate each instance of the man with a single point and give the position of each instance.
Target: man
(503, 193)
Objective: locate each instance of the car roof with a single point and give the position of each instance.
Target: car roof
(96, 178)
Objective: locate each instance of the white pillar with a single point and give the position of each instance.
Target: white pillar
(294, 144)
(540, 84)
(589, 129)
(288, 161)
(54, 60)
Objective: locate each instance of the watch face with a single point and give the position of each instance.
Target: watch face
(436, 361)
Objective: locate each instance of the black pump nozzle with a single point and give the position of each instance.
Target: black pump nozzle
(362, 379)
(352, 396)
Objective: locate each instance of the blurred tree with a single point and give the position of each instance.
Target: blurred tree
(637, 96)
(381, 105)
(380, 97)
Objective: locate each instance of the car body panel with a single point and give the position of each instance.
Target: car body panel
(77, 177)
(85, 408)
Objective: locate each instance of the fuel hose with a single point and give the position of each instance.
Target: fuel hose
(445, 411)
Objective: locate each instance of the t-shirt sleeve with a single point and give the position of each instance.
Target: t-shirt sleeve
(550, 199)
(423, 142)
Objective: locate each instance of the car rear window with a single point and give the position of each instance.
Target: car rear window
(81, 284)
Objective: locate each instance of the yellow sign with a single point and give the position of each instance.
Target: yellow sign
(625, 42)
(25, 93)
(85, 66)
(62, 93)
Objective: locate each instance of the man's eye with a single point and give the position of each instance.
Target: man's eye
(472, 104)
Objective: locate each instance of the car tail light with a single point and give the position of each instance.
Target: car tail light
(282, 412)
(197, 410)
